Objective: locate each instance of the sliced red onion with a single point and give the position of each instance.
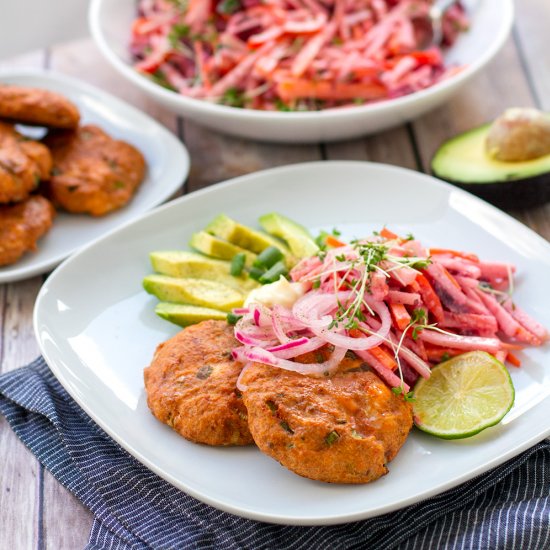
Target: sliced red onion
(256, 314)
(241, 310)
(240, 386)
(277, 325)
(360, 343)
(289, 345)
(259, 355)
(311, 345)
(249, 340)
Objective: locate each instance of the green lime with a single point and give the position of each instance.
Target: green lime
(463, 396)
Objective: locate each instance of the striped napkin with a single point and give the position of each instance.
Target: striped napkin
(506, 508)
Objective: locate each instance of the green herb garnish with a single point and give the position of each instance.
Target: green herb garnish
(232, 318)
(237, 264)
(233, 97)
(227, 7)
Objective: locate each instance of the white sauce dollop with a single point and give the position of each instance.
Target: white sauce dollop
(281, 292)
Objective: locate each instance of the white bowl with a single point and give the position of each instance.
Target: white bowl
(491, 21)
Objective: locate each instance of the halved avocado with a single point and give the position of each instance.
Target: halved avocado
(463, 161)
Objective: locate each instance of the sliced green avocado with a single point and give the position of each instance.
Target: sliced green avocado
(464, 162)
(185, 314)
(181, 263)
(198, 292)
(218, 248)
(299, 241)
(240, 235)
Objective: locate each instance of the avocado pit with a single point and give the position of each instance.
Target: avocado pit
(518, 135)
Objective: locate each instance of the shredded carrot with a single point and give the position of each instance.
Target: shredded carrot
(384, 357)
(333, 242)
(513, 359)
(292, 89)
(400, 315)
(430, 297)
(387, 234)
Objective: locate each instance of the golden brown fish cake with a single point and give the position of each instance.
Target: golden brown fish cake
(41, 156)
(191, 385)
(21, 225)
(340, 429)
(22, 164)
(37, 107)
(92, 172)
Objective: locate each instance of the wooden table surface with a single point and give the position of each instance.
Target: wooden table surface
(35, 510)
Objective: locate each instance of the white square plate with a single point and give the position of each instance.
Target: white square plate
(98, 333)
(167, 168)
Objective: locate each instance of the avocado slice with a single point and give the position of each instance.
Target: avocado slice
(181, 263)
(297, 237)
(463, 161)
(186, 314)
(241, 235)
(218, 248)
(198, 292)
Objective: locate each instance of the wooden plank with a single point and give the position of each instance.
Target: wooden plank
(19, 471)
(66, 522)
(390, 147)
(532, 19)
(216, 157)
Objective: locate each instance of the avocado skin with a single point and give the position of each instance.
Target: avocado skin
(510, 195)
(508, 189)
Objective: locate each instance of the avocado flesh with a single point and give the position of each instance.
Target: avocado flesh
(299, 241)
(198, 292)
(463, 161)
(240, 235)
(185, 314)
(181, 263)
(218, 248)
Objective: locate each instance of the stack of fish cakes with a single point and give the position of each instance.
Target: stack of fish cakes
(76, 168)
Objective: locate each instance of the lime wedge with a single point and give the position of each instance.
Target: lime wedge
(463, 396)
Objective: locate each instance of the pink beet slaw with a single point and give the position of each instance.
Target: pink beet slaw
(291, 55)
(398, 306)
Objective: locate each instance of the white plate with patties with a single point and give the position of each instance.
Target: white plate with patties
(98, 335)
(167, 168)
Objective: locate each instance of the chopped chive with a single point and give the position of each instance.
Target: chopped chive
(268, 257)
(332, 438)
(237, 264)
(256, 273)
(232, 318)
(273, 273)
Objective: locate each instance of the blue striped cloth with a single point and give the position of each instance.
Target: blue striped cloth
(506, 508)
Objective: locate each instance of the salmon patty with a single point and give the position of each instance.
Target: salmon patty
(191, 385)
(23, 163)
(37, 107)
(339, 429)
(92, 172)
(21, 225)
